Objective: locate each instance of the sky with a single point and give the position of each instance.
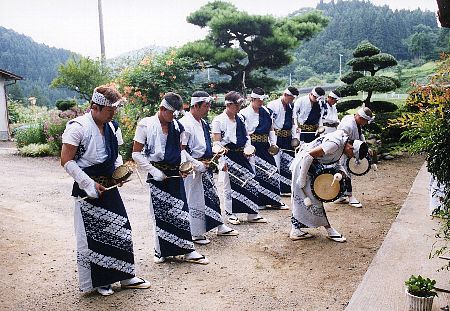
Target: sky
(134, 24)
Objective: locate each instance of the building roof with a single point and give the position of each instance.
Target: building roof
(9, 75)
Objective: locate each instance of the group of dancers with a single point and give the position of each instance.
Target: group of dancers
(254, 150)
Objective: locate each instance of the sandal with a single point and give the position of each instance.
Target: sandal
(230, 232)
(232, 219)
(260, 220)
(200, 260)
(295, 235)
(201, 239)
(141, 284)
(337, 238)
(355, 204)
(105, 290)
(281, 206)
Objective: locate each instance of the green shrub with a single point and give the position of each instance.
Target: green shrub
(382, 126)
(35, 150)
(54, 127)
(348, 104)
(29, 134)
(65, 104)
(382, 106)
(13, 111)
(420, 287)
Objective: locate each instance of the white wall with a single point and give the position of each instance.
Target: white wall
(4, 131)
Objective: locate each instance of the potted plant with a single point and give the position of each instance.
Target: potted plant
(420, 293)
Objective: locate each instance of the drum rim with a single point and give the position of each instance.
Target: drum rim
(359, 174)
(125, 176)
(330, 171)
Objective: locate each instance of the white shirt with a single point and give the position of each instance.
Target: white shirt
(84, 131)
(222, 123)
(349, 126)
(333, 145)
(278, 113)
(331, 116)
(302, 109)
(195, 137)
(149, 133)
(251, 119)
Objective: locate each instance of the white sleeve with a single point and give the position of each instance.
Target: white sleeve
(329, 147)
(119, 136)
(216, 127)
(141, 133)
(73, 134)
(184, 137)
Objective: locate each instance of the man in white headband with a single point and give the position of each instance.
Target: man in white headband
(240, 189)
(201, 192)
(90, 154)
(157, 150)
(330, 119)
(259, 124)
(307, 112)
(307, 210)
(285, 129)
(352, 125)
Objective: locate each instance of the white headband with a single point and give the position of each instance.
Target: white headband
(261, 97)
(319, 97)
(166, 105)
(195, 100)
(286, 91)
(239, 101)
(363, 115)
(100, 99)
(333, 95)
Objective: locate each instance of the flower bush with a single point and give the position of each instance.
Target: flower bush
(145, 84)
(38, 125)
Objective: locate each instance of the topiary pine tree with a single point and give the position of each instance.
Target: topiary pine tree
(243, 47)
(368, 58)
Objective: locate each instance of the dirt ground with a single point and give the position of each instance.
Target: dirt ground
(261, 269)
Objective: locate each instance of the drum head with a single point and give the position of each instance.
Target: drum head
(273, 150)
(121, 173)
(186, 167)
(358, 167)
(322, 188)
(249, 150)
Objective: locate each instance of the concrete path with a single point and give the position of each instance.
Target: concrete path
(405, 251)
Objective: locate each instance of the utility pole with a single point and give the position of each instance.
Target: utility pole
(102, 39)
(340, 66)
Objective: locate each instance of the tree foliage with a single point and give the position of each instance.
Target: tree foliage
(353, 21)
(368, 58)
(243, 46)
(82, 75)
(428, 128)
(36, 63)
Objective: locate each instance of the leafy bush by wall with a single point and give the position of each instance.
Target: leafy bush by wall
(382, 106)
(343, 106)
(30, 134)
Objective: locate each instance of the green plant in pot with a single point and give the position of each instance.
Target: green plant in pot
(420, 293)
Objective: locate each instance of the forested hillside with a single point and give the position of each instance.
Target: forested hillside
(407, 35)
(412, 37)
(36, 63)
